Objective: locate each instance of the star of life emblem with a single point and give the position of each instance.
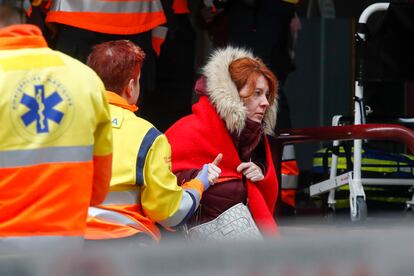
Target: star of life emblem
(41, 108)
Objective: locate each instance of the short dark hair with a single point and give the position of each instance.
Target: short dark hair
(18, 4)
(11, 12)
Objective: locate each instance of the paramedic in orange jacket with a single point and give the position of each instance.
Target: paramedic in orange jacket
(55, 140)
(143, 190)
(78, 25)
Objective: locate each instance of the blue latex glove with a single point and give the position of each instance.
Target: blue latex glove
(203, 176)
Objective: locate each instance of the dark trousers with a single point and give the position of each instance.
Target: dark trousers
(265, 29)
(175, 76)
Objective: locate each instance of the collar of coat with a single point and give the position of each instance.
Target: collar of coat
(21, 36)
(223, 93)
(117, 100)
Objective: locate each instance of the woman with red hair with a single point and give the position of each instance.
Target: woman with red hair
(236, 109)
(143, 190)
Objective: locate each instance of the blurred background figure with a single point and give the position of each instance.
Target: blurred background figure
(74, 27)
(175, 68)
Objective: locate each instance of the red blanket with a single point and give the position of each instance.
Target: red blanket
(198, 138)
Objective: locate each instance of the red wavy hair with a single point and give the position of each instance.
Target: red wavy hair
(247, 70)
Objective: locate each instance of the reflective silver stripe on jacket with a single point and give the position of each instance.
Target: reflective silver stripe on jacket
(194, 193)
(34, 242)
(188, 205)
(113, 217)
(288, 153)
(18, 158)
(159, 32)
(121, 198)
(106, 6)
(289, 181)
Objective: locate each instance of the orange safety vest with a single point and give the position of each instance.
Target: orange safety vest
(119, 216)
(121, 17)
(158, 36)
(290, 173)
(159, 33)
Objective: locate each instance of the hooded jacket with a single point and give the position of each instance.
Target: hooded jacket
(199, 137)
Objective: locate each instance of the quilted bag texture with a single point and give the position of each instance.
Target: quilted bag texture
(236, 223)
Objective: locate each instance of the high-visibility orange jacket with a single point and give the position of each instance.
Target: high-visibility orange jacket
(158, 36)
(111, 17)
(55, 138)
(159, 33)
(143, 190)
(290, 174)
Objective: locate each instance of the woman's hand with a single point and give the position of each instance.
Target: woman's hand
(251, 171)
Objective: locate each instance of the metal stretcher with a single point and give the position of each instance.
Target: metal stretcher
(358, 132)
(391, 132)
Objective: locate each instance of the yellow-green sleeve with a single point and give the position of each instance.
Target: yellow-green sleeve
(162, 199)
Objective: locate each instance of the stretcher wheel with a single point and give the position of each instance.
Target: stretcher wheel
(330, 213)
(408, 211)
(362, 210)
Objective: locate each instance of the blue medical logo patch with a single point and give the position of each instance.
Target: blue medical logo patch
(42, 109)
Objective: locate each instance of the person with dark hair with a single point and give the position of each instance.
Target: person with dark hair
(236, 109)
(11, 14)
(175, 68)
(55, 140)
(143, 191)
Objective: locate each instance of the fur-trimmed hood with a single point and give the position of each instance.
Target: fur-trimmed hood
(223, 93)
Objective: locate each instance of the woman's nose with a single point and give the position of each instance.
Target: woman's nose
(264, 101)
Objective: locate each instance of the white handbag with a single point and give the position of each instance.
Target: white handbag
(236, 223)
